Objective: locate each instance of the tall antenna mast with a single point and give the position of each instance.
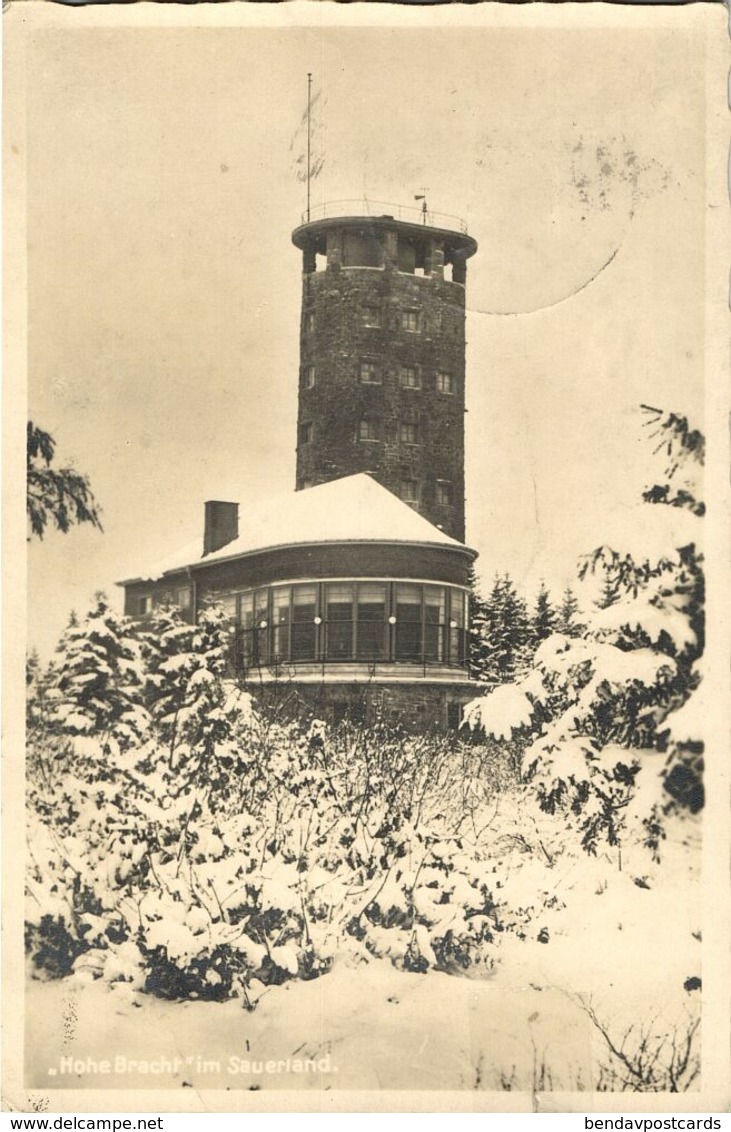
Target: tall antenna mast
(309, 140)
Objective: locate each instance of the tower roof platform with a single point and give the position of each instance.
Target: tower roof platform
(416, 223)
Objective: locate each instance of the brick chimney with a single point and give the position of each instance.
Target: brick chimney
(221, 525)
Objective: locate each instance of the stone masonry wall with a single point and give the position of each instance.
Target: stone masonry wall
(416, 707)
(353, 316)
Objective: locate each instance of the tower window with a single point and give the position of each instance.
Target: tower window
(369, 374)
(309, 377)
(410, 320)
(408, 433)
(307, 430)
(444, 493)
(406, 257)
(409, 377)
(410, 491)
(310, 321)
(368, 429)
(362, 249)
(445, 383)
(371, 316)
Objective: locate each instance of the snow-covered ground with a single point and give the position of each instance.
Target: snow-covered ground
(626, 948)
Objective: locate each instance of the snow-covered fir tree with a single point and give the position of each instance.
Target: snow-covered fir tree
(98, 681)
(194, 708)
(608, 592)
(40, 729)
(500, 635)
(58, 496)
(567, 621)
(591, 703)
(545, 616)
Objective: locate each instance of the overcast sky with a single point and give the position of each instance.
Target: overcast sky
(164, 289)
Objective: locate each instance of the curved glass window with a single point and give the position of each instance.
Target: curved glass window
(371, 621)
(339, 621)
(434, 622)
(281, 603)
(365, 621)
(304, 628)
(457, 627)
(408, 610)
(246, 630)
(261, 626)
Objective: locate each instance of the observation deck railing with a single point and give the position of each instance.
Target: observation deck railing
(378, 209)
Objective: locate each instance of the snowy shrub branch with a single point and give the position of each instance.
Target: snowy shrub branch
(59, 495)
(586, 702)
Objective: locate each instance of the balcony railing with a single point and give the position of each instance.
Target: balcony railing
(378, 209)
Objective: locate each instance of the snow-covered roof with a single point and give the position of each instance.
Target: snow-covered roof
(352, 509)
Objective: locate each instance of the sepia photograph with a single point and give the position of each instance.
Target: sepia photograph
(374, 743)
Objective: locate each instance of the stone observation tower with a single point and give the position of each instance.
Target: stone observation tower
(350, 599)
(382, 354)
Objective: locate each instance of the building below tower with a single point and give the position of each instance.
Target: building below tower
(343, 601)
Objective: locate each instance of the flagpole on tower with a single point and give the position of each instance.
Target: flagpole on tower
(309, 139)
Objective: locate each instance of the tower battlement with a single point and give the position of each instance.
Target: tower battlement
(409, 240)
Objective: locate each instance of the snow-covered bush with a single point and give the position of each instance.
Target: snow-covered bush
(209, 851)
(596, 712)
(214, 896)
